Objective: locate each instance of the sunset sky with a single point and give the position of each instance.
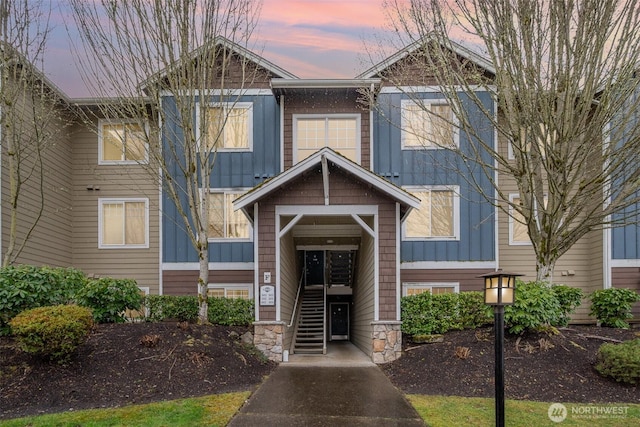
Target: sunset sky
(309, 38)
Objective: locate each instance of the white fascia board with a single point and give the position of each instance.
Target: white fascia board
(447, 265)
(237, 92)
(323, 83)
(214, 266)
(436, 89)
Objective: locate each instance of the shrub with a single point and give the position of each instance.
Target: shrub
(109, 298)
(569, 299)
(534, 307)
(436, 314)
(620, 361)
(231, 311)
(164, 307)
(612, 307)
(54, 332)
(25, 286)
(473, 311)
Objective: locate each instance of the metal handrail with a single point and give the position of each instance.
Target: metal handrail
(295, 306)
(324, 320)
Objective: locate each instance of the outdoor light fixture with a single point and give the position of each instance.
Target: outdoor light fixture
(499, 290)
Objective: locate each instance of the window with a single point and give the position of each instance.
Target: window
(428, 124)
(435, 288)
(123, 223)
(230, 126)
(339, 132)
(121, 142)
(438, 215)
(224, 222)
(518, 230)
(543, 140)
(241, 291)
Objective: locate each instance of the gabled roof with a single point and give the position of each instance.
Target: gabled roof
(459, 49)
(326, 155)
(232, 46)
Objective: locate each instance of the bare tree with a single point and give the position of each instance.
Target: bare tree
(563, 74)
(163, 63)
(32, 115)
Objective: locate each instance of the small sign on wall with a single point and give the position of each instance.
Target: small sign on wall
(267, 295)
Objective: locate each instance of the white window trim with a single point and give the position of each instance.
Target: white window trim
(512, 221)
(228, 286)
(357, 117)
(244, 104)
(456, 213)
(430, 286)
(102, 201)
(426, 103)
(101, 161)
(225, 191)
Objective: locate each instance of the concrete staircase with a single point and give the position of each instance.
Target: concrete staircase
(310, 330)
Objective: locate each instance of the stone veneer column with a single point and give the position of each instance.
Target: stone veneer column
(268, 338)
(387, 341)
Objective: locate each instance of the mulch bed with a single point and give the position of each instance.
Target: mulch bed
(541, 367)
(116, 368)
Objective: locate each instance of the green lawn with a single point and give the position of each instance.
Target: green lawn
(437, 411)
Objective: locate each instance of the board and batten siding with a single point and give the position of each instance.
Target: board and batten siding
(363, 296)
(232, 171)
(113, 181)
(50, 241)
(437, 167)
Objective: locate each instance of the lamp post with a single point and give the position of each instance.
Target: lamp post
(499, 288)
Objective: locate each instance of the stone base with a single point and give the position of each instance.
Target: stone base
(387, 341)
(268, 338)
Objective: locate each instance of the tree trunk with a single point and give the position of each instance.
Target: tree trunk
(203, 280)
(544, 268)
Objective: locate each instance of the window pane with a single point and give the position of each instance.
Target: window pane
(215, 292)
(415, 123)
(134, 142)
(112, 142)
(215, 122)
(441, 128)
(236, 127)
(442, 290)
(342, 137)
(135, 227)
(417, 291)
(237, 223)
(216, 215)
(418, 224)
(519, 228)
(442, 213)
(238, 293)
(112, 223)
(310, 137)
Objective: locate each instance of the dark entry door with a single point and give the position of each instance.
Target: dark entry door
(314, 261)
(339, 320)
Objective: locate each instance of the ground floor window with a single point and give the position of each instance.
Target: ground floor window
(242, 291)
(434, 288)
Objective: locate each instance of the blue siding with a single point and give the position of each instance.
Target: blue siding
(625, 241)
(231, 170)
(439, 167)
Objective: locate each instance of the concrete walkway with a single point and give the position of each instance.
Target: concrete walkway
(304, 393)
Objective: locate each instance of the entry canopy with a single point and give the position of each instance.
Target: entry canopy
(324, 157)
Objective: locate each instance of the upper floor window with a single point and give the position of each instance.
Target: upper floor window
(229, 126)
(121, 142)
(123, 223)
(337, 131)
(428, 124)
(224, 222)
(438, 216)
